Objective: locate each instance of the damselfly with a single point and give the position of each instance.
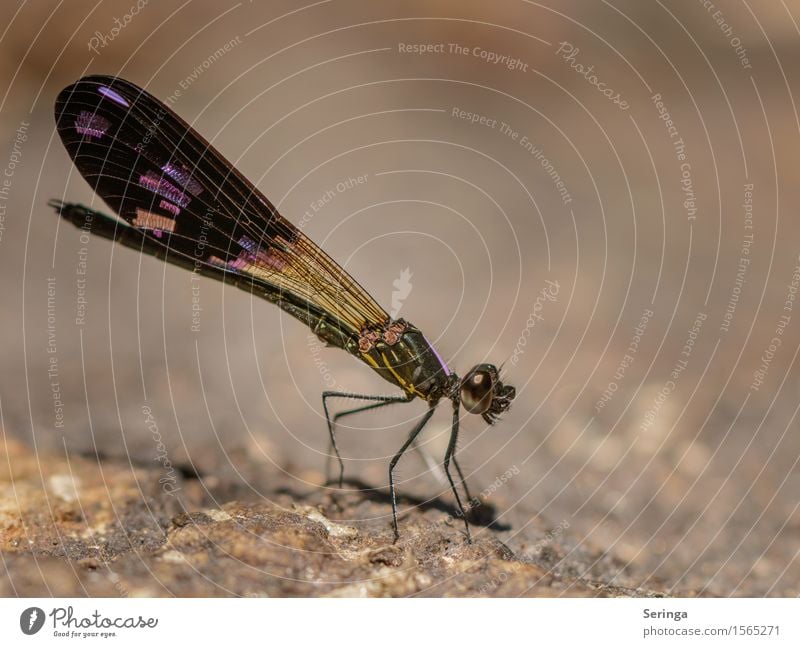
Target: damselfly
(181, 201)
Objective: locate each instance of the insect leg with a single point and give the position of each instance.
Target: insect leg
(414, 433)
(433, 466)
(369, 407)
(379, 401)
(451, 448)
(471, 503)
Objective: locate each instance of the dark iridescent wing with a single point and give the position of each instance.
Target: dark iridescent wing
(183, 197)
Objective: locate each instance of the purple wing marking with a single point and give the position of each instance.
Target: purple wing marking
(90, 124)
(114, 96)
(168, 206)
(182, 176)
(164, 188)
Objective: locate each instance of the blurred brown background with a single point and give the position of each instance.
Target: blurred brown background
(695, 488)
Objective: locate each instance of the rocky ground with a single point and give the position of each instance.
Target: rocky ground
(79, 526)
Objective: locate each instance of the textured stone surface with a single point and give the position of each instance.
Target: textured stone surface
(74, 526)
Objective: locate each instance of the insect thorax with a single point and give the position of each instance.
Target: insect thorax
(399, 352)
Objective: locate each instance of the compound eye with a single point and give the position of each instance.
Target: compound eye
(477, 391)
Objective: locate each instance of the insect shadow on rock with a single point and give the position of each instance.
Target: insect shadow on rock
(179, 200)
